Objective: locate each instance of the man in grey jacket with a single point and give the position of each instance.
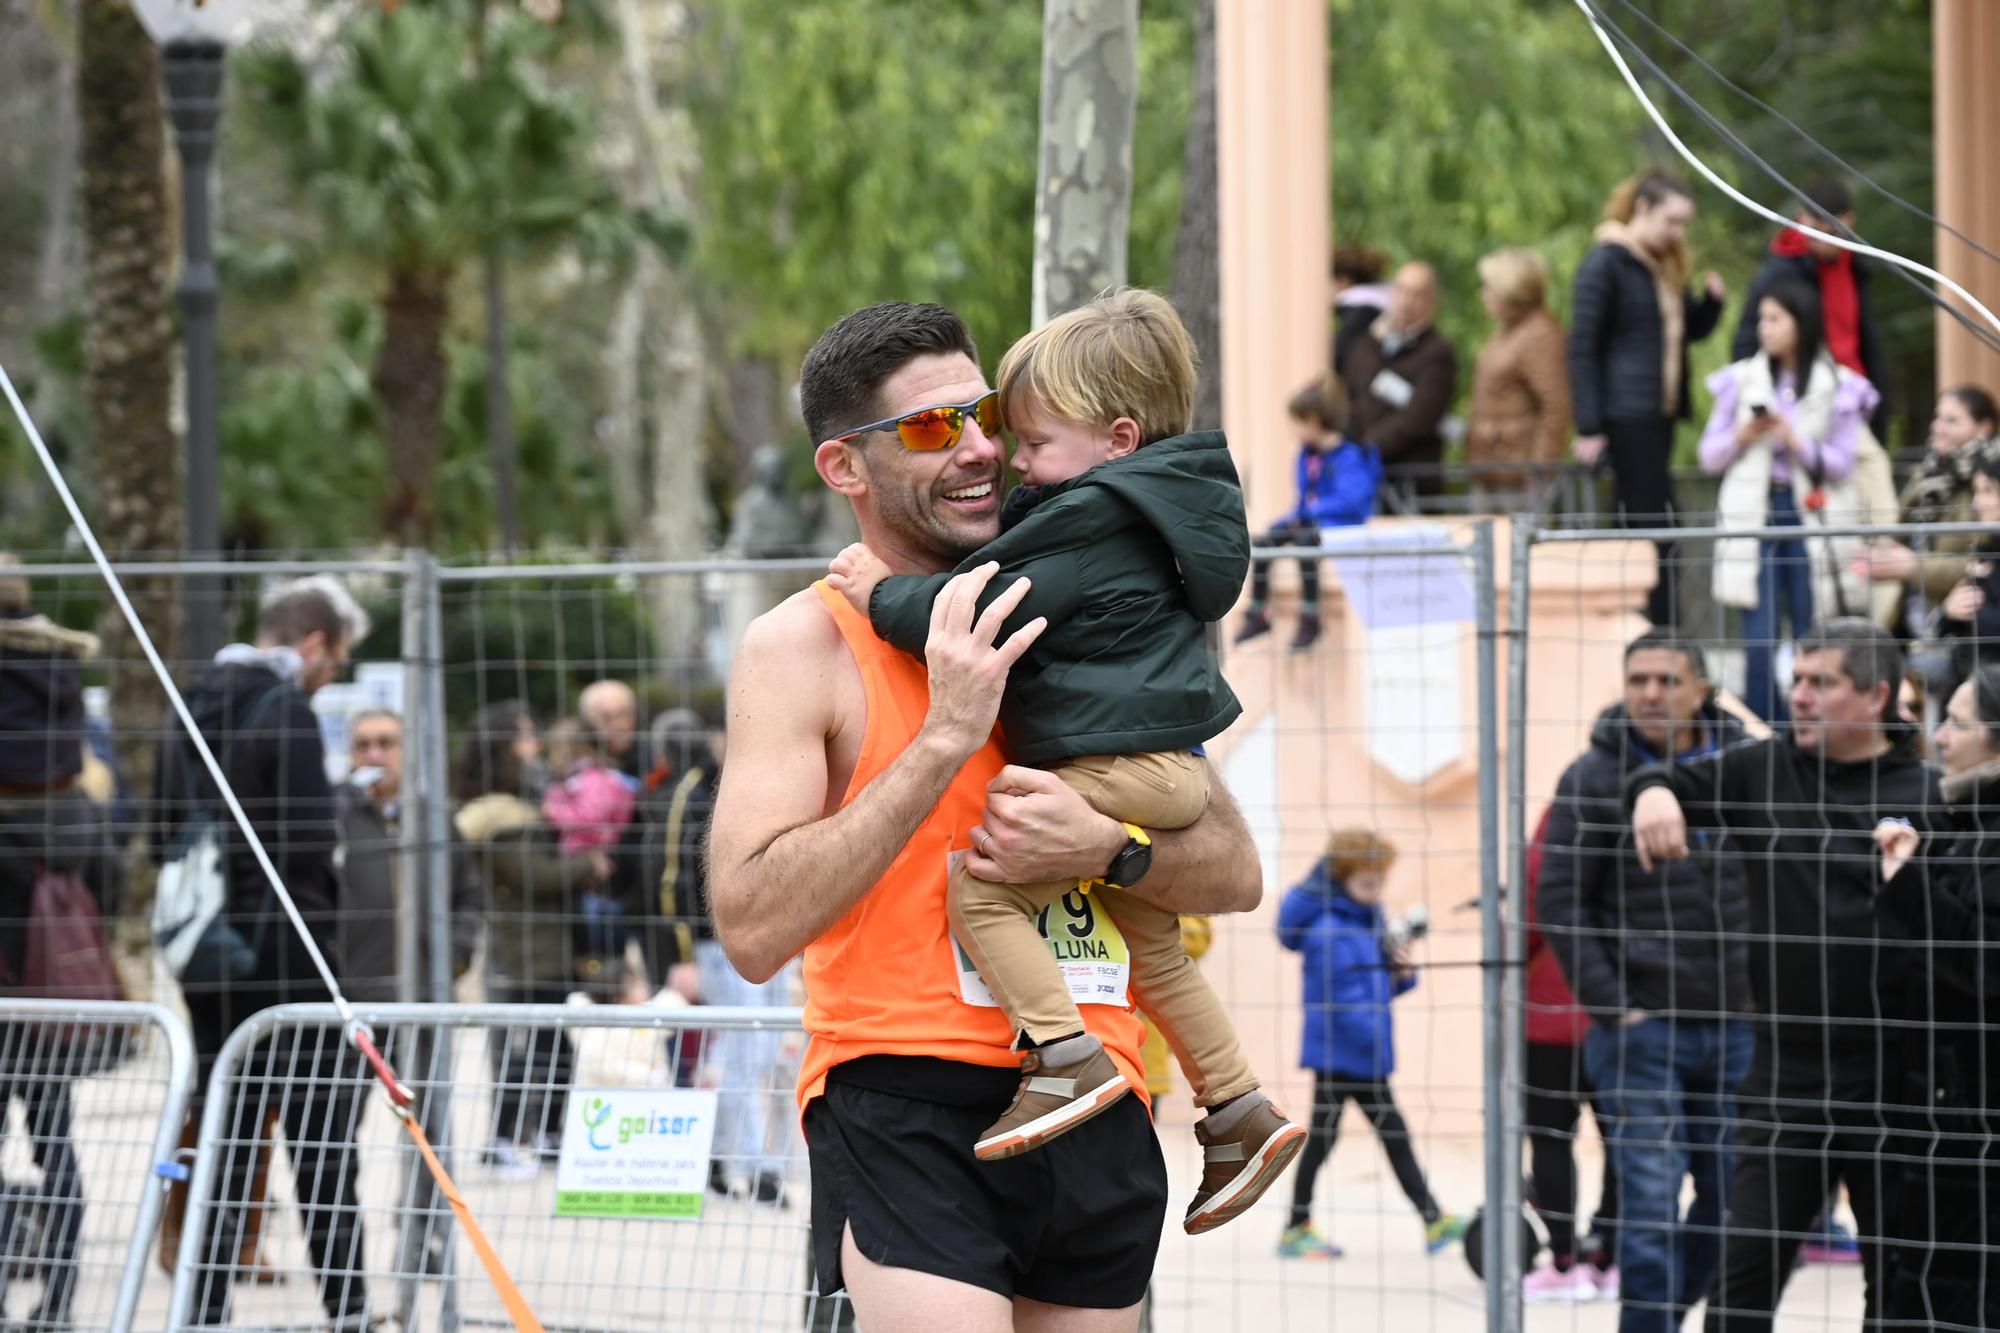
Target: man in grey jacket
(370, 805)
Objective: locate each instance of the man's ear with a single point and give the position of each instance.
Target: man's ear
(840, 469)
(1124, 437)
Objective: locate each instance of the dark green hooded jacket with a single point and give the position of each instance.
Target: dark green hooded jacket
(1129, 562)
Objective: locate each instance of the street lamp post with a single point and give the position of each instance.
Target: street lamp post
(194, 38)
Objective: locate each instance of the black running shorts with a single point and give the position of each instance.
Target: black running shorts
(1075, 1222)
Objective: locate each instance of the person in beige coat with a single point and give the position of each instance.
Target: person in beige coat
(1520, 383)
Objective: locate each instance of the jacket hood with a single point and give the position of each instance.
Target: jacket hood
(1320, 880)
(495, 816)
(1976, 786)
(41, 636)
(1614, 736)
(1790, 243)
(1186, 488)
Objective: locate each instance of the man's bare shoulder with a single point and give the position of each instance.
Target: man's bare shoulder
(799, 626)
(793, 657)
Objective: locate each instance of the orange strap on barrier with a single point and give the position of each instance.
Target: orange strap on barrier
(496, 1272)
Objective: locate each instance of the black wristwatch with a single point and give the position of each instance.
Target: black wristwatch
(1134, 859)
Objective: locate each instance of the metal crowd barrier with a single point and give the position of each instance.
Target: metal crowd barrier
(103, 1089)
(581, 1137)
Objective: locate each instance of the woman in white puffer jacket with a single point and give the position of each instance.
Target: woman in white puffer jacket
(1783, 435)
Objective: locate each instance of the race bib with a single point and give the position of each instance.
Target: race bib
(1084, 941)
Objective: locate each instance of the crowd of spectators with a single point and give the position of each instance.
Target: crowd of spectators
(1795, 433)
(1777, 941)
(578, 873)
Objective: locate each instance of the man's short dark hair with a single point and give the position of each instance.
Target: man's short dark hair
(298, 613)
(1869, 654)
(847, 367)
(1827, 198)
(1665, 640)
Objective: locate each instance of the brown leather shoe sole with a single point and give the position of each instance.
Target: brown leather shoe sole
(1262, 1172)
(1060, 1121)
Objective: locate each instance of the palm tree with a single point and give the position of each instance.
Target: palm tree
(128, 342)
(421, 154)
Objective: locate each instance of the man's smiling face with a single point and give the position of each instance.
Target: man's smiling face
(945, 504)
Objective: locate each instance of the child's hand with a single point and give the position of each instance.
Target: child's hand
(854, 574)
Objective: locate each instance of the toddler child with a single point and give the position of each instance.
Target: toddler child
(1131, 532)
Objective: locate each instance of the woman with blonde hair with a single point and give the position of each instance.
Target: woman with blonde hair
(1631, 323)
(1520, 383)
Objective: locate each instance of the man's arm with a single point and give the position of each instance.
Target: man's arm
(1662, 799)
(1574, 858)
(1037, 829)
(781, 872)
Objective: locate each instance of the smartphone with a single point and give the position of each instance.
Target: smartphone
(1759, 410)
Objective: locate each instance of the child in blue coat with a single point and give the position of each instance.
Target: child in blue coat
(1337, 480)
(1333, 919)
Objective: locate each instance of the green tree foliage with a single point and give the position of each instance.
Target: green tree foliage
(432, 138)
(1463, 125)
(885, 149)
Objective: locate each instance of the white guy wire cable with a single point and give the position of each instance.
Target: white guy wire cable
(1885, 256)
(174, 697)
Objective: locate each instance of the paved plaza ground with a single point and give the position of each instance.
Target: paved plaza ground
(742, 1266)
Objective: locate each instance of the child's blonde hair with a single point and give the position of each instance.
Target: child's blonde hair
(1126, 354)
(1350, 851)
(571, 742)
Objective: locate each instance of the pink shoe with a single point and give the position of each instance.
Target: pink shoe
(1552, 1286)
(1607, 1283)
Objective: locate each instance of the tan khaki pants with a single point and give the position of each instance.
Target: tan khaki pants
(996, 925)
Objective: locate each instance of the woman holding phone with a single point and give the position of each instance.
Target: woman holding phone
(1783, 434)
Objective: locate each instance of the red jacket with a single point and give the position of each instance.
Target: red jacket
(1553, 1016)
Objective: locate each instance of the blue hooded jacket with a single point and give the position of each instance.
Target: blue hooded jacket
(1348, 985)
(1340, 492)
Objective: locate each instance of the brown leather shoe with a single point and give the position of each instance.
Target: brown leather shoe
(1054, 1098)
(1240, 1163)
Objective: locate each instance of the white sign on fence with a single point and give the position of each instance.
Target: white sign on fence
(628, 1153)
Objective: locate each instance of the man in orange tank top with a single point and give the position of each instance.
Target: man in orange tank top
(857, 774)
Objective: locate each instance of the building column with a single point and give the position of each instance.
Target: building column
(1966, 110)
(1274, 182)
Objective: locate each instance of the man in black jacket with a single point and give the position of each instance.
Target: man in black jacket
(1659, 960)
(1844, 282)
(252, 707)
(1801, 811)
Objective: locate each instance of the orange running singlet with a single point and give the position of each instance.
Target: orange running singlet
(884, 980)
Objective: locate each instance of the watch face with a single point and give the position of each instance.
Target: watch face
(1131, 864)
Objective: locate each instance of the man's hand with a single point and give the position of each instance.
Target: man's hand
(1963, 602)
(1899, 842)
(1717, 289)
(1588, 449)
(1632, 1018)
(1038, 830)
(854, 574)
(967, 671)
(1659, 828)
